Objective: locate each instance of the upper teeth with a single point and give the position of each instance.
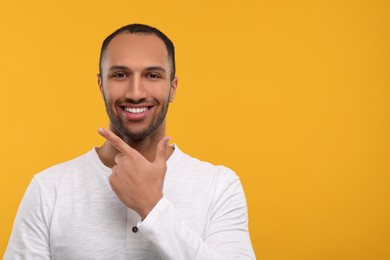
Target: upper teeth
(136, 110)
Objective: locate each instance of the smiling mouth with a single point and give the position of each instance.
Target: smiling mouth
(136, 110)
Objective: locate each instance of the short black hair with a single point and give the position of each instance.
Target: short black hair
(146, 30)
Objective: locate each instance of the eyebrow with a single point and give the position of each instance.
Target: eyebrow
(118, 67)
(156, 68)
(151, 68)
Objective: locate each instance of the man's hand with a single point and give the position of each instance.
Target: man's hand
(137, 182)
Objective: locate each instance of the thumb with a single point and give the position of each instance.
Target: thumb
(162, 150)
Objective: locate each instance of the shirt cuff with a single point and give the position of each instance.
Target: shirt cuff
(154, 214)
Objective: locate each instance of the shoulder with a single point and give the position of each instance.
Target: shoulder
(202, 186)
(66, 177)
(193, 167)
(45, 186)
(59, 171)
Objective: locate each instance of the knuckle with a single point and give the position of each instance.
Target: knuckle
(117, 159)
(114, 171)
(121, 159)
(116, 142)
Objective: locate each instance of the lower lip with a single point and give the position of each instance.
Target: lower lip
(135, 117)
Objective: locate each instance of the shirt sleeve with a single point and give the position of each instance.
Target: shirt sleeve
(227, 236)
(30, 234)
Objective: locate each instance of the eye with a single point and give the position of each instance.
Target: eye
(153, 76)
(119, 75)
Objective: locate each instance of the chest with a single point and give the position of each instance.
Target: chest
(89, 222)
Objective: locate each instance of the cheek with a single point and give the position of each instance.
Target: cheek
(159, 93)
(112, 92)
(166, 97)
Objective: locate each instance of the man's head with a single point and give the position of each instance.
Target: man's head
(137, 81)
(142, 29)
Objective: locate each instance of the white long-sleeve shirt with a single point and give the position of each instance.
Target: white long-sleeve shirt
(70, 212)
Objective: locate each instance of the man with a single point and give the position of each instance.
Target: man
(135, 197)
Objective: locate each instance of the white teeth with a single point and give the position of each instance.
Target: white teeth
(136, 110)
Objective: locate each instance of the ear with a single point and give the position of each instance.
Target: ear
(173, 89)
(100, 83)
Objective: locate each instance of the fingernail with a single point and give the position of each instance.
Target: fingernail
(101, 131)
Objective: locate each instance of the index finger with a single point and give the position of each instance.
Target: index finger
(116, 141)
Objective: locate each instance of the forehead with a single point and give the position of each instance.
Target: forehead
(135, 50)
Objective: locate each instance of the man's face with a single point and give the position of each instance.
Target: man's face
(136, 85)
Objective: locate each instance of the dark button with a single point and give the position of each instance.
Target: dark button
(134, 229)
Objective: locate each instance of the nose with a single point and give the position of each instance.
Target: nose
(135, 90)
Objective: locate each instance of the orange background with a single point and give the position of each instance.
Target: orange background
(292, 95)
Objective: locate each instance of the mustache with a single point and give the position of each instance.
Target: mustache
(131, 101)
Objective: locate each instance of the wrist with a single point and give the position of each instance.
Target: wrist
(144, 212)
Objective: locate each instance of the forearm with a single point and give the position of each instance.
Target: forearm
(174, 239)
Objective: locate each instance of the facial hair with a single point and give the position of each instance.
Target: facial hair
(126, 133)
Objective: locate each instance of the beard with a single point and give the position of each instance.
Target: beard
(126, 133)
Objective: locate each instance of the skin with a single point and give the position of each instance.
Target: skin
(136, 74)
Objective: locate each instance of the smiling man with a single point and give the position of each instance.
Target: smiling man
(135, 197)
